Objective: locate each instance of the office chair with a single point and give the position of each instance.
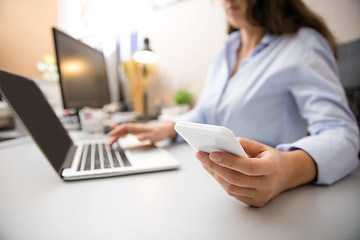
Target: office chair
(349, 69)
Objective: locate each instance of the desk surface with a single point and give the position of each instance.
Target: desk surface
(179, 204)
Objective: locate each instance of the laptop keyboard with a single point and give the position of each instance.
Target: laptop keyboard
(101, 156)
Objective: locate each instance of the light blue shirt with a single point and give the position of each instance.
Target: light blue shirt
(288, 88)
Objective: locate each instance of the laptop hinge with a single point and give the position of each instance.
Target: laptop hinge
(69, 158)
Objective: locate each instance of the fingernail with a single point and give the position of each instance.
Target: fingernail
(216, 157)
(200, 156)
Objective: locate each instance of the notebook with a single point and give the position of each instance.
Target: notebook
(77, 160)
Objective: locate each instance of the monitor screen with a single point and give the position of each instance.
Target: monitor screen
(349, 59)
(82, 73)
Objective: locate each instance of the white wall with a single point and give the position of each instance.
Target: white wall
(186, 36)
(342, 17)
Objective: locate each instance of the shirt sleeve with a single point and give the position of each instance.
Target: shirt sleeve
(333, 140)
(195, 115)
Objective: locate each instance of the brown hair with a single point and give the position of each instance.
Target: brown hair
(286, 16)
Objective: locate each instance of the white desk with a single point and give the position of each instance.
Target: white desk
(180, 204)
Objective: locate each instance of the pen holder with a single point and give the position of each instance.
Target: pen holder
(92, 121)
(139, 76)
(138, 98)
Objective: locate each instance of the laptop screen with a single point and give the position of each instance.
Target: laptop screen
(33, 110)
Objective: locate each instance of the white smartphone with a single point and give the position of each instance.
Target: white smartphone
(209, 138)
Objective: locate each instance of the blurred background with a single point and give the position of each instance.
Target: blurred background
(186, 35)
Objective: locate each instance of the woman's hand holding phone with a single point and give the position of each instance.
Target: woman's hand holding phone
(257, 177)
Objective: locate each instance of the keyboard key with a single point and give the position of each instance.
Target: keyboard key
(97, 164)
(106, 157)
(88, 158)
(124, 159)
(114, 157)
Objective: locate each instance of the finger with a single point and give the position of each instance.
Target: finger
(241, 194)
(201, 156)
(232, 176)
(148, 136)
(251, 147)
(127, 128)
(208, 169)
(248, 201)
(111, 140)
(232, 189)
(114, 129)
(248, 166)
(143, 136)
(122, 130)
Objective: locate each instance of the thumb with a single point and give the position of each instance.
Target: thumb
(144, 136)
(252, 148)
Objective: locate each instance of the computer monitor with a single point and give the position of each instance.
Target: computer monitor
(349, 65)
(349, 69)
(82, 71)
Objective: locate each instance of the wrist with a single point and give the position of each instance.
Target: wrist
(169, 128)
(302, 168)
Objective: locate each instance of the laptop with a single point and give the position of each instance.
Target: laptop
(77, 160)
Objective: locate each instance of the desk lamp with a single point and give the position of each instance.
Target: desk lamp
(146, 58)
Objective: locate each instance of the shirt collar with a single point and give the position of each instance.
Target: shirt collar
(233, 42)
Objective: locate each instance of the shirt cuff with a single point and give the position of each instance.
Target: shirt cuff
(333, 152)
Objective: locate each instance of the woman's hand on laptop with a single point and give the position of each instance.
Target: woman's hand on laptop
(143, 131)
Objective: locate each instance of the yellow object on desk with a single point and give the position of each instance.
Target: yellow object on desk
(139, 75)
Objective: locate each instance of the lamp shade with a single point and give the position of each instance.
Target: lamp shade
(145, 56)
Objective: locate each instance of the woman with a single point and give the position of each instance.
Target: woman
(276, 83)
